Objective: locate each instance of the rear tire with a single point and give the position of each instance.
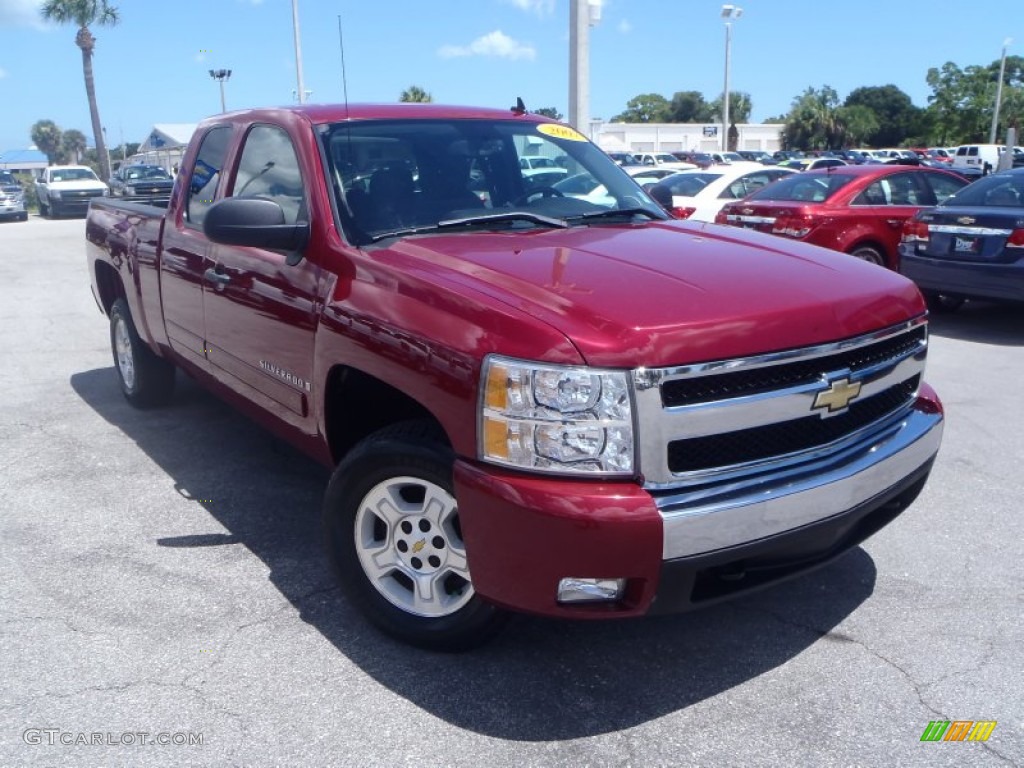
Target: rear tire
(146, 380)
(391, 526)
(868, 253)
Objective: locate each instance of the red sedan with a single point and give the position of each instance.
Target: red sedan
(856, 209)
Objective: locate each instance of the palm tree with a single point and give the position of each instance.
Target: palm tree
(73, 142)
(85, 13)
(48, 139)
(417, 94)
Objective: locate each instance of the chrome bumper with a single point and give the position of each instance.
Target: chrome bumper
(703, 521)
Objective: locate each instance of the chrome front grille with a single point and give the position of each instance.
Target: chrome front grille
(731, 419)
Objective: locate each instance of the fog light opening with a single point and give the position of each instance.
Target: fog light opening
(583, 590)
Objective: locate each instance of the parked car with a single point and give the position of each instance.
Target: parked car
(698, 159)
(727, 158)
(624, 158)
(662, 159)
(757, 156)
(645, 175)
(535, 403)
(971, 245)
(782, 155)
(857, 209)
(12, 198)
(700, 194)
(813, 163)
(63, 189)
(584, 186)
(977, 159)
(142, 183)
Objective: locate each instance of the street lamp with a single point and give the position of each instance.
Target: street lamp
(999, 92)
(729, 12)
(220, 75)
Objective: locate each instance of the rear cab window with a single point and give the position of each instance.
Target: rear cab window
(206, 173)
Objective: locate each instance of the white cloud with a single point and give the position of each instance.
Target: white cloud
(495, 43)
(540, 7)
(3, 73)
(625, 27)
(18, 13)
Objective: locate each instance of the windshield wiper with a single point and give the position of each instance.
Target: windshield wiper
(616, 213)
(402, 232)
(497, 218)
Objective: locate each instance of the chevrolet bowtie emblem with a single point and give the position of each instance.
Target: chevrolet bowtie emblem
(747, 211)
(966, 220)
(838, 395)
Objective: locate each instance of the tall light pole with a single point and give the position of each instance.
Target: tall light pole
(999, 92)
(729, 12)
(583, 14)
(220, 75)
(298, 53)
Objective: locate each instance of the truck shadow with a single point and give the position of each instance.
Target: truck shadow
(541, 680)
(983, 322)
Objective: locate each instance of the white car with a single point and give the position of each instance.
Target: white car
(727, 158)
(65, 189)
(662, 160)
(583, 186)
(645, 175)
(700, 194)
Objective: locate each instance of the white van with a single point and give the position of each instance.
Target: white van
(978, 156)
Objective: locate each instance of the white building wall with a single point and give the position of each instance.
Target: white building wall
(686, 137)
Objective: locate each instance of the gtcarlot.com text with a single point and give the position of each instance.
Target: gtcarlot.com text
(54, 736)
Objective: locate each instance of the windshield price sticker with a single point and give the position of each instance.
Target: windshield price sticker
(560, 132)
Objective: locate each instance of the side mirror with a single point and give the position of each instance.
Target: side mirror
(254, 222)
(662, 195)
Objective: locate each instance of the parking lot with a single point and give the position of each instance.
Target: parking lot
(162, 580)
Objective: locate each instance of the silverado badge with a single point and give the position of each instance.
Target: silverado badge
(838, 395)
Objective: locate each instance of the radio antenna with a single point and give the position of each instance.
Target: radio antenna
(344, 78)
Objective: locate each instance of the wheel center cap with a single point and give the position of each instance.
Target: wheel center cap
(421, 545)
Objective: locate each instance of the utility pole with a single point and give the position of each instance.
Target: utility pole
(301, 90)
(583, 14)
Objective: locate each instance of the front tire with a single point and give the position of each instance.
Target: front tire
(44, 209)
(146, 380)
(391, 525)
(868, 253)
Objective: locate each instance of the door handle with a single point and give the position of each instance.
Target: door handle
(219, 279)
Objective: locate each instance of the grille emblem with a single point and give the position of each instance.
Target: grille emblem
(966, 220)
(838, 395)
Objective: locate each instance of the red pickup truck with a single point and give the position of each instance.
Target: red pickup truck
(570, 406)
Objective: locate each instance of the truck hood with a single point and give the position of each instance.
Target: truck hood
(76, 185)
(669, 293)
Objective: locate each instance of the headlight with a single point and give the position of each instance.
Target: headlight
(129, 189)
(552, 418)
(55, 194)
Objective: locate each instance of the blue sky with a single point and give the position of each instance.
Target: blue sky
(153, 67)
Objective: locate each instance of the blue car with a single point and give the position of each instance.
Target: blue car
(971, 245)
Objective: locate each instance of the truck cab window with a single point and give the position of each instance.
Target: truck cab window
(269, 169)
(202, 188)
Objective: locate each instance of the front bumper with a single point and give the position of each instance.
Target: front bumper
(1004, 282)
(525, 534)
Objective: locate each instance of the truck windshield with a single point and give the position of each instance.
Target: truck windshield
(408, 176)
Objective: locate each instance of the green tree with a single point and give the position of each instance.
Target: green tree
(551, 112)
(857, 123)
(740, 107)
(961, 102)
(645, 108)
(689, 107)
(896, 116)
(85, 13)
(47, 137)
(74, 144)
(812, 122)
(415, 94)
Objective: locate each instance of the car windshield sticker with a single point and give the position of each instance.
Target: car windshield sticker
(560, 132)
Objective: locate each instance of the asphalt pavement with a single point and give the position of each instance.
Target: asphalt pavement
(165, 599)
